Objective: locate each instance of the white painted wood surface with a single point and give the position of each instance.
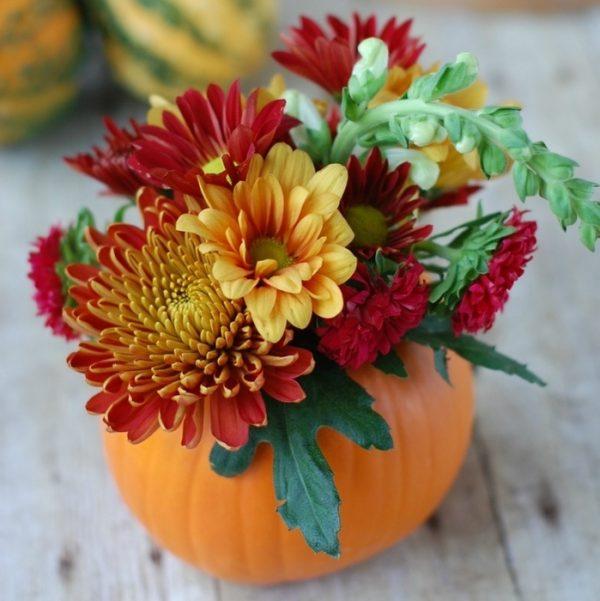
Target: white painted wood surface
(522, 521)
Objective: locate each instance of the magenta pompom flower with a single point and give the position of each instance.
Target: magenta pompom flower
(50, 295)
(376, 315)
(486, 296)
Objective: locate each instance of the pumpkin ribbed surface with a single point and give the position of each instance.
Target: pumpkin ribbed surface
(165, 46)
(40, 45)
(229, 526)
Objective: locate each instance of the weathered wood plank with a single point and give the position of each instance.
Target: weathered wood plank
(521, 521)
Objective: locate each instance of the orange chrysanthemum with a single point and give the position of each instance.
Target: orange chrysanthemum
(279, 239)
(164, 338)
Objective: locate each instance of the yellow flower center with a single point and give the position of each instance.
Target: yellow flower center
(215, 166)
(269, 248)
(368, 224)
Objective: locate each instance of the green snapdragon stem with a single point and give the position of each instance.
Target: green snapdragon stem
(351, 131)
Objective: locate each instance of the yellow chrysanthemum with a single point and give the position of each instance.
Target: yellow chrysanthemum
(279, 238)
(456, 169)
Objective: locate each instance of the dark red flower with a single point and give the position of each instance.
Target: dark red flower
(451, 198)
(380, 207)
(110, 165)
(376, 315)
(486, 296)
(209, 126)
(327, 56)
(49, 295)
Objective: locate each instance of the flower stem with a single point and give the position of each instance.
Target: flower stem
(350, 131)
(437, 250)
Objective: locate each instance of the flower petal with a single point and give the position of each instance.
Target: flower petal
(326, 296)
(226, 424)
(339, 263)
(296, 308)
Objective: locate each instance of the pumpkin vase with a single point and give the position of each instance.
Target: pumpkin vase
(230, 528)
(166, 46)
(40, 48)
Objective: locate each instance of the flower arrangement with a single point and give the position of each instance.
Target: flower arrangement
(284, 246)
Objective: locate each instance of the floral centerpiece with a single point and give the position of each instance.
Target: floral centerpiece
(282, 277)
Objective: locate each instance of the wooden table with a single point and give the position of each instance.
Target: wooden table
(521, 522)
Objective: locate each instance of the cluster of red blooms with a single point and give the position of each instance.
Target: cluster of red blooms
(224, 125)
(376, 315)
(49, 296)
(487, 295)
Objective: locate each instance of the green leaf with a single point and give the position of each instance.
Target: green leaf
(391, 364)
(469, 255)
(436, 332)
(504, 116)
(452, 77)
(303, 479)
(493, 161)
(440, 361)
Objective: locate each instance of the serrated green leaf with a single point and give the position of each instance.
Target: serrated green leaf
(470, 252)
(303, 480)
(391, 364)
(436, 332)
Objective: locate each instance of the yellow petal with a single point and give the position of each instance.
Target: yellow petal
(189, 223)
(332, 178)
(264, 268)
(294, 206)
(260, 302)
(291, 167)
(338, 263)
(296, 308)
(226, 270)
(307, 230)
(337, 230)
(323, 204)
(473, 97)
(326, 296)
(216, 197)
(436, 152)
(216, 223)
(271, 329)
(286, 280)
(238, 288)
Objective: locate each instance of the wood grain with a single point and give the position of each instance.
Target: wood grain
(522, 520)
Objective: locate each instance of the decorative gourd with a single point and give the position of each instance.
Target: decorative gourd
(165, 46)
(40, 45)
(229, 526)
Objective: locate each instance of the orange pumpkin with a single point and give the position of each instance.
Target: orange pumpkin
(229, 526)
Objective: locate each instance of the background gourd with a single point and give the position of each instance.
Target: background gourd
(166, 46)
(40, 46)
(229, 526)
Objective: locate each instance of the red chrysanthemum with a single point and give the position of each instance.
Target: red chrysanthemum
(381, 208)
(209, 126)
(486, 296)
(327, 57)
(110, 165)
(451, 198)
(49, 295)
(165, 341)
(376, 315)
